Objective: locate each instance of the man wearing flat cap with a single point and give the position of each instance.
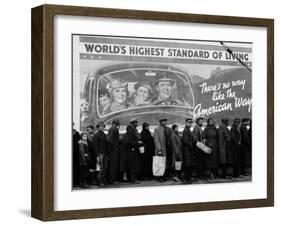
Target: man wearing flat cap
(118, 90)
(225, 153)
(235, 134)
(162, 140)
(164, 87)
(101, 149)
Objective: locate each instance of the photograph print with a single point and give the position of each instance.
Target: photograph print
(160, 112)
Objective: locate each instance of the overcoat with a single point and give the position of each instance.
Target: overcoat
(176, 147)
(225, 152)
(113, 153)
(188, 148)
(146, 157)
(91, 146)
(130, 157)
(100, 142)
(199, 154)
(245, 144)
(75, 156)
(235, 143)
(159, 140)
(84, 158)
(212, 139)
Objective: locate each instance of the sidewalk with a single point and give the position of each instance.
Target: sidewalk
(149, 183)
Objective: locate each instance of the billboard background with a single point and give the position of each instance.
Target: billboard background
(220, 85)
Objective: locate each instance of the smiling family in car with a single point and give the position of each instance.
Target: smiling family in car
(116, 96)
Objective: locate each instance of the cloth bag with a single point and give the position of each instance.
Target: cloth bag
(158, 165)
(141, 149)
(203, 147)
(178, 165)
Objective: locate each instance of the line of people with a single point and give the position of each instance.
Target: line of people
(102, 159)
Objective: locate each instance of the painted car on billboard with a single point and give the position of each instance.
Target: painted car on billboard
(150, 92)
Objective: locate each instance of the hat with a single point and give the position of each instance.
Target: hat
(163, 119)
(116, 121)
(224, 120)
(189, 119)
(133, 120)
(245, 119)
(100, 124)
(103, 92)
(165, 79)
(117, 84)
(237, 120)
(143, 84)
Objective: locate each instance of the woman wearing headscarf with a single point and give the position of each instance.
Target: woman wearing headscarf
(210, 134)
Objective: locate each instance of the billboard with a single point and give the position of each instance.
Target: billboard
(148, 79)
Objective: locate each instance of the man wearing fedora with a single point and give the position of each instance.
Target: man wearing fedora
(101, 148)
(164, 86)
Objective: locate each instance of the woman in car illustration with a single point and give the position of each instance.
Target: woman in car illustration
(118, 90)
(143, 95)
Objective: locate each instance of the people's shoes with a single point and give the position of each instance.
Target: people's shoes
(161, 180)
(124, 181)
(187, 181)
(85, 186)
(176, 179)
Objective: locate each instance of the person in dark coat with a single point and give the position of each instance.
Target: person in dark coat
(245, 145)
(235, 134)
(134, 153)
(188, 150)
(75, 157)
(146, 157)
(84, 160)
(101, 150)
(91, 146)
(177, 151)
(200, 155)
(90, 141)
(249, 159)
(113, 151)
(124, 152)
(225, 151)
(169, 153)
(210, 134)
